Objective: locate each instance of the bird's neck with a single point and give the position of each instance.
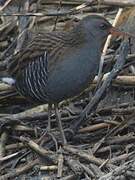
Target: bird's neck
(79, 37)
(76, 37)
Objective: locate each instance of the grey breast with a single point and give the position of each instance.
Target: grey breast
(73, 74)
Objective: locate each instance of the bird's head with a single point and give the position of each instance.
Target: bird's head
(98, 28)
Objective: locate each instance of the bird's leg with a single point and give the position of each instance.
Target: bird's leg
(48, 129)
(58, 119)
(49, 117)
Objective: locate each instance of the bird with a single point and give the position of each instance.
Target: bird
(54, 66)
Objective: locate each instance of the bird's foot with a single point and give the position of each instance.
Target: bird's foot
(47, 131)
(69, 131)
(64, 140)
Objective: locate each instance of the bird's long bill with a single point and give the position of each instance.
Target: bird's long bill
(116, 32)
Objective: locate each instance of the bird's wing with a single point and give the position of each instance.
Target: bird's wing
(47, 46)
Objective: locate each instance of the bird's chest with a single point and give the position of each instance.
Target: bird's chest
(73, 74)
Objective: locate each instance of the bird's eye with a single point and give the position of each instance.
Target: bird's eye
(103, 26)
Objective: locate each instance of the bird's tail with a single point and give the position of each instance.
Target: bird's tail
(4, 76)
(7, 91)
(8, 80)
